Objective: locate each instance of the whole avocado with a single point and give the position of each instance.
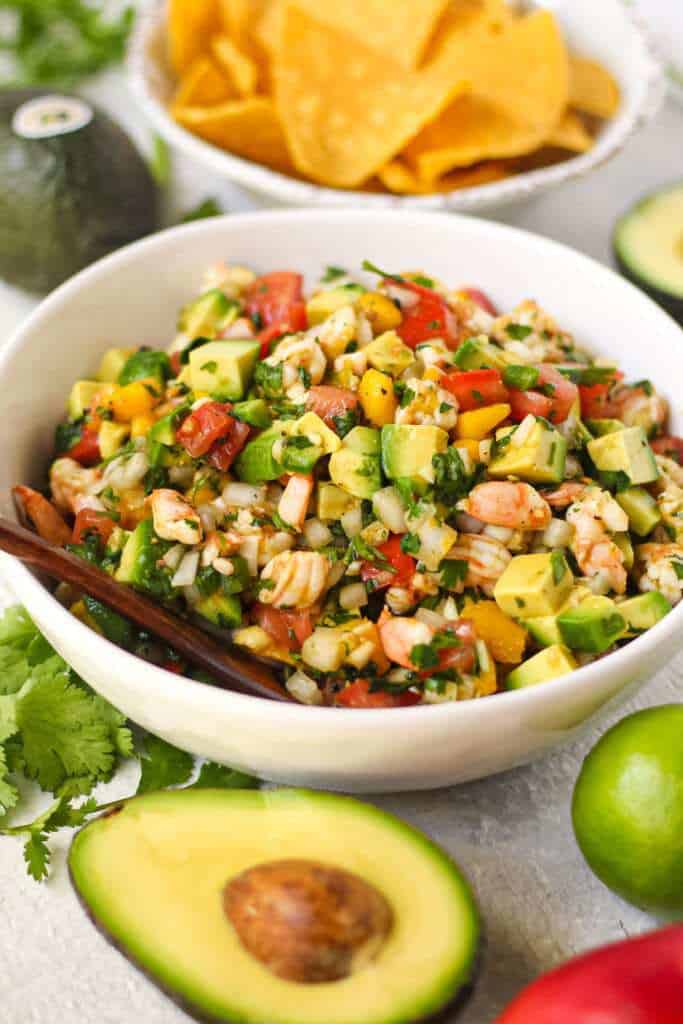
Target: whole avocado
(68, 198)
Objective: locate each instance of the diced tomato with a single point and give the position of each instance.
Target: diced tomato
(203, 427)
(296, 321)
(402, 564)
(87, 450)
(174, 665)
(672, 447)
(224, 452)
(460, 657)
(358, 695)
(89, 520)
(475, 388)
(276, 302)
(327, 402)
(481, 299)
(288, 629)
(554, 399)
(176, 365)
(429, 317)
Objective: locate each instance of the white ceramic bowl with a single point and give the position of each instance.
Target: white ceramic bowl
(605, 30)
(132, 298)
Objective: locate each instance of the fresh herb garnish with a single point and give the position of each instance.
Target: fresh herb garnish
(67, 435)
(453, 571)
(558, 566)
(521, 377)
(518, 332)
(332, 273)
(677, 566)
(410, 543)
(345, 422)
(451, 482)
(207, 208)
(269, 379)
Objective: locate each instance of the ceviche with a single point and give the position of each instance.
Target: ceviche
(394, 490)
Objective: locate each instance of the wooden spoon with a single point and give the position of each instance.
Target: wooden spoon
(243, 675)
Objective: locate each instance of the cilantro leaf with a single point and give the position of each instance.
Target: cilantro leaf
(207, 208)
(219, 776)
(8, 792)
(163, 765)
(37, 856)
(451, 482)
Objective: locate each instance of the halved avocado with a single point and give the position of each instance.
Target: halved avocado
(648, 247)
(222, 896)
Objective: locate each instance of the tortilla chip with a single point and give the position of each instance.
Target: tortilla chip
(249, 128)
(190, 26)
(241, 70)
(399, 178)
(571, 134)
(592, 89)
(470, 130)
(267, 28)
(236, 18)
(345, 111)
(203, 85)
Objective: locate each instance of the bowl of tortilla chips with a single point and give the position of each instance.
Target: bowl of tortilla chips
(452, 104)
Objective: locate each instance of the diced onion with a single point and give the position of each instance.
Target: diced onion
(125, 472)
(523, 431)
(388, 507)
(324, 650)
(353, 595)
(241, 495)
(558, 534)
(207, 516)
(352, 521)
(172, 557)
(304, 689)
(186, 572)
(430, 618)
(249, 552)
(403, 296)
(483, 656)
(316, 534)
(335, 574)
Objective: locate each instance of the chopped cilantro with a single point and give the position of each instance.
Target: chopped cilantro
(453, 571)
(677, 566)
(451, 482)
(520, 377)
(345, 422)
(410, 543)
(518, 332)
(407, 397)
(332, 273)
(210, 367)
(558, 566)
(67, 435)
(269, 379)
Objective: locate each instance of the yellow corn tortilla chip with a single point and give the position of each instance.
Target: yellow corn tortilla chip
(240, 69)
(571, 134)
(470, 130)
(267, 28)
(203, 85)
(399, 178)
(346, 111)
(237, 17)
(190, 26)
(249, 128)
(592, 89)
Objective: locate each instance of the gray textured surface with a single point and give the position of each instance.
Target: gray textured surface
(511, 834)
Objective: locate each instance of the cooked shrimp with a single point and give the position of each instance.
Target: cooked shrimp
(299, 353)
(46, 519)
(564, 495)
(175, 518)
(518, 506)
(429, 405)
(399, 635)
(293, 504)
(298, 579)
(594, 516)
(637, 405)
(486, 560)
(70, 481)
(545, 342)
(657, 569)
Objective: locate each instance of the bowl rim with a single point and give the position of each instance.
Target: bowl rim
(622, 663)
(286, 189)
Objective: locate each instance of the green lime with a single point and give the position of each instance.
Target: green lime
(628, 809)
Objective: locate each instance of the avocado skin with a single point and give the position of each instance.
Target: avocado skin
(672, 304)
(69, 200)
(446, 1014)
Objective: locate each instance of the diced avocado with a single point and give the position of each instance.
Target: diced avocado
(641, 508)
(534, 585)
(146, 364)
(310, 425)
(205, 315)
(255, 412)
(388, 354)
(139, 561)
(626, 451)
(479, 353)
(544, 628)
(332, 502)
(255, 463)
(197, 850)
(548, 664)
(224, 610)
(581, 435)
(357, 473)
(113, 361)
(110, 623)
(407, 450)
(324, 304)
(623, 542)
(164, 430)
(80, 397)
(364, 440)
(298, 454)
(223, 368)
(643, 611)
(593, 627)
(599, 428)
(111, 436)
(540, 459)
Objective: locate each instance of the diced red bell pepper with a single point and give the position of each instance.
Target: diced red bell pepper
(358, 695)
(429, 317)
(90, 520)
(87, 449)
(204, 426)
(475, 388)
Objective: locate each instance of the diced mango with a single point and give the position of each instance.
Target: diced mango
(471, 447)
(141, 425)
(133, 400)
(504, 637)
(382, 313)
(487, 680)
(377, 397)
(478, 423)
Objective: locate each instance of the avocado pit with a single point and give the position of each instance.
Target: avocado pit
(307, 921)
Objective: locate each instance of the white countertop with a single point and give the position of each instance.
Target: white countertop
(511, 834)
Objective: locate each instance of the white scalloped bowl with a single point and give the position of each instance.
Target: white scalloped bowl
(605, 30)
(132, 298)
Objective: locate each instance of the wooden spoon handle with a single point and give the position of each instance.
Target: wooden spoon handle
(243, 675)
